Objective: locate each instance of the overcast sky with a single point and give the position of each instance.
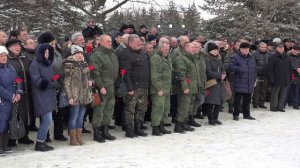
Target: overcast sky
(162, 4)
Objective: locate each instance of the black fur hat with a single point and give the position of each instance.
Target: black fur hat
(11, 42)
(45, 37)
(211, 46)
(245, 45)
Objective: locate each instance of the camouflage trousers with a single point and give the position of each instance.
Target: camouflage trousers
(102, 114)
(185, 106)
(160, 109)
(136, 106)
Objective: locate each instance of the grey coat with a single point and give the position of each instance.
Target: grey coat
(214, 70)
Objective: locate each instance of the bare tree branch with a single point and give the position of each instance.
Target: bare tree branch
(114, 8)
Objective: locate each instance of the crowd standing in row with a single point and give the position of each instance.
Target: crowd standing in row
(138, 75)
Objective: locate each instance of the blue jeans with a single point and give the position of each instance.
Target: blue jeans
(46, 120)
(76, 116)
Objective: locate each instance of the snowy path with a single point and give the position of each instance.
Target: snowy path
(273, 140)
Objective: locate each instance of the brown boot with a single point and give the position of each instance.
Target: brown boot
(79, 135)
(73, 140)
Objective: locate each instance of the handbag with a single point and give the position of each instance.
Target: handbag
(63, 99)
(210, 83)
(16, 124)
(228, 91)
(96, 99)
(121, 88)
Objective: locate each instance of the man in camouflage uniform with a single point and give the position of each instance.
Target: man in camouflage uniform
(137, 78)
(160, 88)
(188, 76)
(175, 53)
(105, 75)
(200, 96)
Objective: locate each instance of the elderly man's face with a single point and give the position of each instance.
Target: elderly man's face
(263, 48)
(189, 48)
(106, 42)
(149, 48)
(135, 44)
(80, 41)
(30, 44)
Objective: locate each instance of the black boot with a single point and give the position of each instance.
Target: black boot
(97, 135)
(218, 122)
(129, 131)
(12, 143)
(193, 123)
(6, 148)
(33, 127)
(42, 146)
(138, 129)
(2, 153)
(163, 130)
(84, 130)
(156, 131)
(212, 122)
(230, 108)
(186, 127)
(199, 113)
(106, 134)
(25, 140)
(178, 128)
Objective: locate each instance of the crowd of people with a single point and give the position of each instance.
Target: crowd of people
(134, 76)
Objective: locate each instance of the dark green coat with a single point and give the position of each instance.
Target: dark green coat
(161, 74)
(201, 67)
(187, 72)
(106, 68)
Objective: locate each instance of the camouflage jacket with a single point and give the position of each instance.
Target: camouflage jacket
(161, 74)
(106, 68)
(201, 67)
(187, 73)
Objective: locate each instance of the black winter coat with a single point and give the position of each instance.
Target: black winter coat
(279, 70)
(137, 66)
(89, 32)
(261, 59)
(244, 69)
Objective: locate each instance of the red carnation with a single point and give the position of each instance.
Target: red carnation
(55, 77)
(91, 67)
(207, 93)
(19, 80)
(188, 81)
(123, 71)
(293, 76)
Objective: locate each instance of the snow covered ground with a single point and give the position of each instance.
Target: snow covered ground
(272, 140)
